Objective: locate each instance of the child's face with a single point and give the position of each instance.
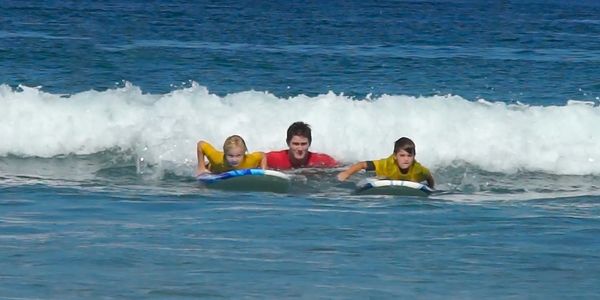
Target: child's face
(234, 156)
(404, 159)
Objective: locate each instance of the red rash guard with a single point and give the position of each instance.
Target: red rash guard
(281, 160)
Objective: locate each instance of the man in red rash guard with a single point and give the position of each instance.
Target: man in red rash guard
(297, 156)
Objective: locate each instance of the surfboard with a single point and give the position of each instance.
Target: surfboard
(252, 180)
(374, 186)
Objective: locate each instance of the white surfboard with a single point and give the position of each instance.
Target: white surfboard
(253, 180)
(374, 186)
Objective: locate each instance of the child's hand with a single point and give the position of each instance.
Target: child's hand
(342, 176)
(202, 172)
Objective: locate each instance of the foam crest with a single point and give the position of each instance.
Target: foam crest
(164, 128)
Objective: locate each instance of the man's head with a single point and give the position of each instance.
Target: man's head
(298, 139)
(299, 129)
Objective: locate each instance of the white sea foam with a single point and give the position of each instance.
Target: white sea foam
(164, 128)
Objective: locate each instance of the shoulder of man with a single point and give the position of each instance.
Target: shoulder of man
(278, 159)
(278, 152)
(321, 160)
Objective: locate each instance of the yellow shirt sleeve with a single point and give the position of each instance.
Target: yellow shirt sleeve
(215, 158)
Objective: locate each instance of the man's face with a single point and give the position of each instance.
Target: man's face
(298, 147)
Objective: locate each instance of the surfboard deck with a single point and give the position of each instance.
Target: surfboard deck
(248, 180)
(374, 186)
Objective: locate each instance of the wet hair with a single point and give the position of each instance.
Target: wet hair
(234, 141)
(300, 129)
(405, 144)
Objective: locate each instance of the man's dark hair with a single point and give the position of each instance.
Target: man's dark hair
(300, 129)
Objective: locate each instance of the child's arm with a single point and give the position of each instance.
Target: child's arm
(201, 164)
(351, 170)
(430, 181)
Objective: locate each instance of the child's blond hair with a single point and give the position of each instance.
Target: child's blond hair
(234, 141)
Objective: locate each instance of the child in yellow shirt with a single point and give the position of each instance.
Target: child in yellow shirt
(401, 165)
(233, 157)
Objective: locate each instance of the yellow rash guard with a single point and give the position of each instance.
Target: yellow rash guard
(388, 168)
(217, 163)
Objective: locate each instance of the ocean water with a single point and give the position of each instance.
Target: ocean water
(102, 103)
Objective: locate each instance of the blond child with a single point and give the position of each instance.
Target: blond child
(233, 157)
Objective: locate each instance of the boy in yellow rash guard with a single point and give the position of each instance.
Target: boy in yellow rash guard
(401, 165)
(233, 157)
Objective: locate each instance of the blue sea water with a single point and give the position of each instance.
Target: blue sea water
(101, 104)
